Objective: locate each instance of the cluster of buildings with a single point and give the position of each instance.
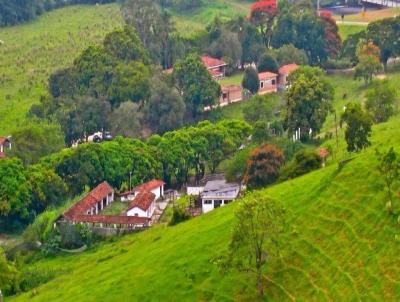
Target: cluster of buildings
(144, 204)
(269, 82)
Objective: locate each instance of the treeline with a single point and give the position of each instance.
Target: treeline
(15, 12)
(26, 191)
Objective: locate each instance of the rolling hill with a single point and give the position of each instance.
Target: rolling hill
(340, 246)
(31, 52)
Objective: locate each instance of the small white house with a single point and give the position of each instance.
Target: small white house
(143, 205)
(154, 186)
(218, 193)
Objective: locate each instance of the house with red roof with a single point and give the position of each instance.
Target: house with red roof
(5, 144)
(230, 94)
(284, 72)
(268, 82)
(215, 67)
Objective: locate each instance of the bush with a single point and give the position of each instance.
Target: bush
(343, 63)
(236, 166)
(179, 215)
(304, 161)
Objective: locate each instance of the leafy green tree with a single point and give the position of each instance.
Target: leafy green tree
(261, 131)
(389, 168)
(349, 49)
(15, 194)
(165, 109)
(386, 35)
(130, 82)
(126, 120)
(195, 84)
(308, 101)
(235, 168)
(9, 275)
(258, 108)
(264, 166)
(34, 141)
(287, 54)
(368, 61)
(267, 62)
(250, 80)
(227, 45)
(304, 161)
(381, 101)
(259, 223)
(358, 128)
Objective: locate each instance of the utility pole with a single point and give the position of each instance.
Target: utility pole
(130, 183)
(337, 139)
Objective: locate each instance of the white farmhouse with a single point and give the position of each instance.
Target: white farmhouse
(218, 193)
(143, 205)
(154, 186)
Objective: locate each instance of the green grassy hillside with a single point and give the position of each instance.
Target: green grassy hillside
(31, 52)
(340, 247)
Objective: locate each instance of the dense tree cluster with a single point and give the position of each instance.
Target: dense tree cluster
(14, 12)
(26, 191)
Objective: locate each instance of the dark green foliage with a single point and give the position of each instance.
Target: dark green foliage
(304, 161)
(34, 141)
(381, 101)
(309, 100)
(267, 62)
(235, 168)
(349, 49)
(258, 108)
(287, 54)
(179, 215)
(264, 166)
(196, 85)
(165, 109)
(358, 129)
(250, 80)
(389, 168)
(9, 275)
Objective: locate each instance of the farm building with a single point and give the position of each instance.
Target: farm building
(215, 67)
(268, 82)
(284, 72)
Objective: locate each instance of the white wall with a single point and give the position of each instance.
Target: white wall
(140, 213)
(209, 207)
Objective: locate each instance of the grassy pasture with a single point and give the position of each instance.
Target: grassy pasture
(32, 51)
(340, 246)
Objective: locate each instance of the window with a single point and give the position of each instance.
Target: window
(227, 201)
(262, 84)
(273, 82)
(136, 214)
(207, 201)
(217, 203)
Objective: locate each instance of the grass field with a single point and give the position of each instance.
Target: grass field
(190, 22)
(31, 52)
(372, 15)
(340, 246)
(348, 29)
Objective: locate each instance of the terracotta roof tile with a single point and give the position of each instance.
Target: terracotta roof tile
(211, 62)
(231, 88)
(150, 185)
(266, 75)
(142, 201)
(286, 69)
(88, 201)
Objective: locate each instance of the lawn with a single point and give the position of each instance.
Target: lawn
(190, 22)
(115, 208)
(372, 15)
(32, 51)
(339, 246)
(235, 79)
(349, 29)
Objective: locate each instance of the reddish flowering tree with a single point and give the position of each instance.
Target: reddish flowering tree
(263, 166)
(262, 15)
(333, 42)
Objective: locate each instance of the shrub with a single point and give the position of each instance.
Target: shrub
(264, 166)
(342, 63)
(179, 215)
(304, 161)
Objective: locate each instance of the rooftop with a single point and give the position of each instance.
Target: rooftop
(286, 69)
(211, 62)
(266, 75)
(221, 187)
(142, 201)
(90, 199)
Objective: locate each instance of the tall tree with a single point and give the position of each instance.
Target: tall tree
(358, 128)
(126, 120)
(381, 101)
(308, 100)
(259, 224)
(250, 80)
(195, 84)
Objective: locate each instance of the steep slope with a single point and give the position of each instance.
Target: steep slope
(340, 247)
(29, 53)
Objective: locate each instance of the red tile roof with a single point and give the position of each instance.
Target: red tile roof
(111, 219)
(266, 75)
(150, 185)
(142, 201)
(92, 198)
(286, 69)
(211, 62)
